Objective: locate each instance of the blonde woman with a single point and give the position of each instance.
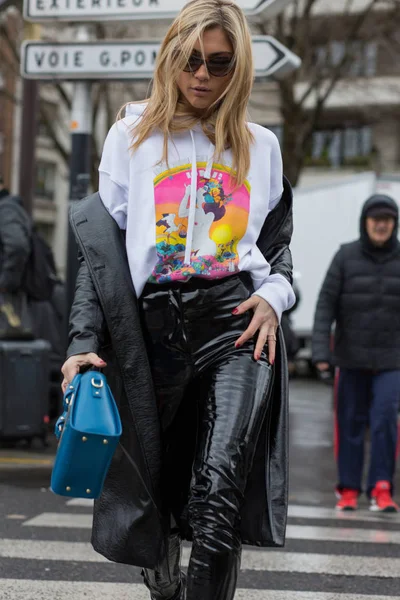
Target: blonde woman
(181, 305)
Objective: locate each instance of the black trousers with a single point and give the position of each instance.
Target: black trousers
(190, 334)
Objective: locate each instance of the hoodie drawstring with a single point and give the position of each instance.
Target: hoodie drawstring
(210, 159)
(193, 194)
(192, 205)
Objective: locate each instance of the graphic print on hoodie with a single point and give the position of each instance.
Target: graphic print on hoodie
(220, 222)
(182, 218)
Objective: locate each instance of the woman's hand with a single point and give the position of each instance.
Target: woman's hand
(264, 321)
(72, 366)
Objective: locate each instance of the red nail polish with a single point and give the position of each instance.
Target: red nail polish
(237, 345)
(257, 356)
(272, 362)
(235, 311)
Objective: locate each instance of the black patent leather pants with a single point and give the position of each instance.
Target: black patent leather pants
(190, 334)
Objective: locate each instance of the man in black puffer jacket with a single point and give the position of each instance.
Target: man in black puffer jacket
(361, 293)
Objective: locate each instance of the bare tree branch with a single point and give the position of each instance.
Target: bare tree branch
(5, 34)
(63, 95)
(8, 66)
(99, 94)
(109, 110)
(48, 121)
(6, 94)
(301, 36)
(305, 30)
(339, 70)
(295, 18)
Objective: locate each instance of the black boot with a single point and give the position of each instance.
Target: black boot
(165, 581)
(180, 593)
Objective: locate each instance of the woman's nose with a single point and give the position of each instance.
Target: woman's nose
(202, 73)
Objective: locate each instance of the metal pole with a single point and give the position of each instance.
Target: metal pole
(80, 166)
(30, 107)
(28, 143)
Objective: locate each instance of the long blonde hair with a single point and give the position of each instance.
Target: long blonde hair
(225, 122)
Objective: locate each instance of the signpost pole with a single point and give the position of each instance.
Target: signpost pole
(30, 106)
(80, 164)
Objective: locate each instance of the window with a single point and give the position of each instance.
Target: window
(350, 146)
(45, 180)
(362, 55)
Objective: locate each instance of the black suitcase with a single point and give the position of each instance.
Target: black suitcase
(24, 389)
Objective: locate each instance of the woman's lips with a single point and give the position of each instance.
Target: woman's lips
(200, 91)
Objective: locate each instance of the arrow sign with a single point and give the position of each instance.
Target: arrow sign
(99, 10)
(130, 60)
(273, 59)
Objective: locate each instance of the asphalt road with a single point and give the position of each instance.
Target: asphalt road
(44, 540)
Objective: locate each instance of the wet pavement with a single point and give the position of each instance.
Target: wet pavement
(44, 540)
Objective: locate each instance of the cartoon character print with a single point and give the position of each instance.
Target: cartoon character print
(220, 222)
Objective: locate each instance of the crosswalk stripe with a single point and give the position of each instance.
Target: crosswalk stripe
(49, 550)
(336, 534)
(322, 564)
(298, 511)
(85, 502)
(255, 560)
(27, 589)
(296, 532)
(319, 512)
(61, 520)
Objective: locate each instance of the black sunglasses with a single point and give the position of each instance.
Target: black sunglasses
(217, 66)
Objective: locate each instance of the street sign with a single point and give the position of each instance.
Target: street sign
(99, 10)
(89, 60)
(130, 60)
(273, 59)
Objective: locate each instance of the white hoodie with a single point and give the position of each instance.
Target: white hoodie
(185, 220)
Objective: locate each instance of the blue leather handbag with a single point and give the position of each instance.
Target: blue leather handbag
(88, 430)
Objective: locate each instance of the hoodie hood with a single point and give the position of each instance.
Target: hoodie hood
(379, 201)
(135, 110)
(138, 110)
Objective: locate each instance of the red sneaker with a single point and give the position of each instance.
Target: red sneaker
(381, 498)
(348, 499)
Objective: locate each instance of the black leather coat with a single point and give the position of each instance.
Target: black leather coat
(128, 526)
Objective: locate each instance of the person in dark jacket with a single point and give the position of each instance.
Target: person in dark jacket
(15, 246)
(180, 292)
(361, 294)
